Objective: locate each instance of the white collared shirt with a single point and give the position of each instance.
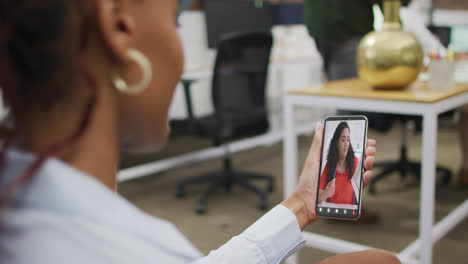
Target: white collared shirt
(65, 216)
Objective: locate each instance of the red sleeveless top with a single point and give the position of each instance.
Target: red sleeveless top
(344, 192)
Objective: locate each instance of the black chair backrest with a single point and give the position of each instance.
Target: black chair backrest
(443, 33)
(240, 74)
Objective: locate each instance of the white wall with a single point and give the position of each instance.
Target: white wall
(450, 17)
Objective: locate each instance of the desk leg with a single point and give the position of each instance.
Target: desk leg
(428, 169)
(289, 148)
(278, 100)
(289, 156)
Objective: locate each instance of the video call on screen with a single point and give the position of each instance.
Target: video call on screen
(343, 147)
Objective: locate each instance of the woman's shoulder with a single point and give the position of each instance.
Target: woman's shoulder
(69, 235)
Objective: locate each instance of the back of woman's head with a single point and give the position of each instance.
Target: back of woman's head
(39, 46)
(69, 58)
(48, 47)
(39, 67)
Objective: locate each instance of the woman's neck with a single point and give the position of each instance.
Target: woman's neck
(341, 161)
(95, 152)
(341, 165)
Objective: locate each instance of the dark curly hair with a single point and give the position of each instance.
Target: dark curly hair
(332, 157)
(39, 41)
(41, 62)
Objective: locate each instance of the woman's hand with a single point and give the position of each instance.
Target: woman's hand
(327, 192)
(302, 201)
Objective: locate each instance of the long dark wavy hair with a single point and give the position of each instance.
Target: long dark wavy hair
(332, 158)
(42, 46)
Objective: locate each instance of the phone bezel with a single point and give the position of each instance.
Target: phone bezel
(343, 118)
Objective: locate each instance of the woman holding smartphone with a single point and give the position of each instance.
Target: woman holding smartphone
(85, 79)
(335, 181)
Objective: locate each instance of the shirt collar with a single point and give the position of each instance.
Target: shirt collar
(58, 187)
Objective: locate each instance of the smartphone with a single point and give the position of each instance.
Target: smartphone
(340, 180)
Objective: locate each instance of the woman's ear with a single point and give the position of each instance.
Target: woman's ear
(117, 27)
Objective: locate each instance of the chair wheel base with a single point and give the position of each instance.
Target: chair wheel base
(201, 209)
(226, 181)
(180, 193)
(270, 188)
(263, 205)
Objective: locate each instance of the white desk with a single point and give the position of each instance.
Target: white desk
(198, 73)
(354, 94)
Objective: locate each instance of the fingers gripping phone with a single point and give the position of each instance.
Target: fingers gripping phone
(340, 181)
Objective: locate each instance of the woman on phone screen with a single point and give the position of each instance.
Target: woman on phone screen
(335, 181)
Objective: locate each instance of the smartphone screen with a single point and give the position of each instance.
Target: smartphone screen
(341, 167)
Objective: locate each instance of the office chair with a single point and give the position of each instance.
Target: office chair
(403, 165)
(443, 33)
(238, 96)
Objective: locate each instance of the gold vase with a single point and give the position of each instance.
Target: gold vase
(391, 58)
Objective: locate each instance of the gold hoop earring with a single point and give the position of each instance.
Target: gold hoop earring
(146, 67)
